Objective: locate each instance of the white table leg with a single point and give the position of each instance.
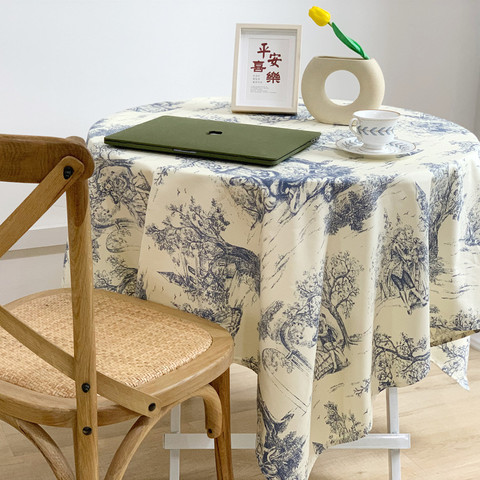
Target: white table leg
(175, 425)
(393, 425)
(393, 440)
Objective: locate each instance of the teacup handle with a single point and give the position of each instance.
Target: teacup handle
(353, 126)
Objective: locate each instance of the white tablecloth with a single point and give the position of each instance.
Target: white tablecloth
(334, 273)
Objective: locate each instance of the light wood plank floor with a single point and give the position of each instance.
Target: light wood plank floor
(442, 418)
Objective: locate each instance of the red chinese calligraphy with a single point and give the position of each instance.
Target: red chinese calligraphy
(274, 59)
(258, 66)
(264, 49)
(273, 77)
(272, 62)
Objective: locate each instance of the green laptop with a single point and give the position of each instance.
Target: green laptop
(238, 142)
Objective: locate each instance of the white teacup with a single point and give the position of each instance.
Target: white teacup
(374, 128)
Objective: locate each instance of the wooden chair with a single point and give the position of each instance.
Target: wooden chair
(59, 348)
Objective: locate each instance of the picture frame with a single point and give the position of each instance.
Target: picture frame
(266, 68)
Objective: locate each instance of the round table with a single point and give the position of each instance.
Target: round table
(334, 273)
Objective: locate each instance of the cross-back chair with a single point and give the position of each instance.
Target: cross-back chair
(82, 358)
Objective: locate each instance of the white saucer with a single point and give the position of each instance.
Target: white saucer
(397, 147)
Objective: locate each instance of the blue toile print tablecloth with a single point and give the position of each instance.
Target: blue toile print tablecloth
(335, 274)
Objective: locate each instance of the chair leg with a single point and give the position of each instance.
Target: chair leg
(49, 449)
(223, 446)
(86, 454)
(129, 446)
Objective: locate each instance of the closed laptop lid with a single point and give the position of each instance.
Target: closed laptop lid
(239, 142)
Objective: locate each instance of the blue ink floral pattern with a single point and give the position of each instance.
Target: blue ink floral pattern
(337, 276)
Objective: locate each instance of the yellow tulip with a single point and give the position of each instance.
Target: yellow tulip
(319, 16)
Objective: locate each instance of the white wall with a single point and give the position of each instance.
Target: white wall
(28, 271)
(66, 63)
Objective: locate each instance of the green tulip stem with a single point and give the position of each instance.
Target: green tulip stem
(350, 43)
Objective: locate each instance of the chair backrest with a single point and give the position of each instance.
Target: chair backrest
(57, 166)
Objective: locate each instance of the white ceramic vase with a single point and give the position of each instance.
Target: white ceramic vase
(368, 74)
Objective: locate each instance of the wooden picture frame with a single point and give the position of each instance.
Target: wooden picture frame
(266, 68)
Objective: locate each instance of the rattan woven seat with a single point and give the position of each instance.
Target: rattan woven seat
(81, 358)
(135, 344)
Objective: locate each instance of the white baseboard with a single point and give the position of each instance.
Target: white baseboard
(42, 237)
(39, 252)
